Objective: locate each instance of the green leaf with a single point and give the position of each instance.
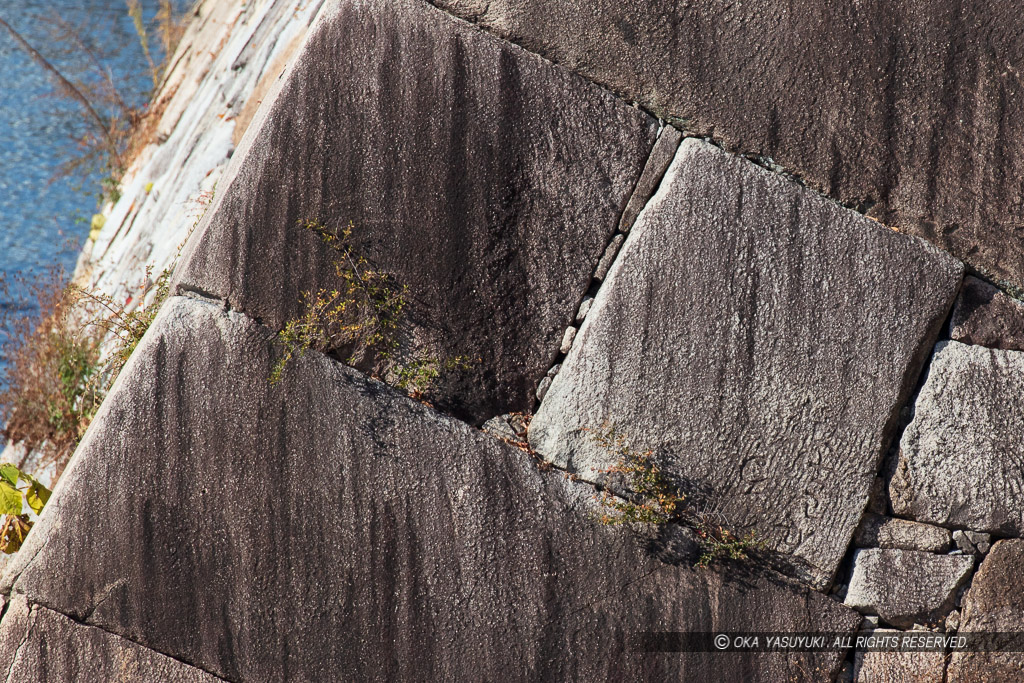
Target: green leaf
(10, 499)
(37, 496)
(9, 473)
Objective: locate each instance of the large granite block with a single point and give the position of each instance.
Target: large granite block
(906, 587)
(482, 177)
(961, 460)
(898, 667)
(912, 109)
(886, 532)
(761, 339)
(330, 524)
(994, 605)
(42, 645)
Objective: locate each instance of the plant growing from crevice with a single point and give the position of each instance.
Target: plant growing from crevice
(124, 326)
(361, 316)
(56, 373)
(51, 377)
(419, 375)
(719, 543)
(653, 498)
(360, 319)
(16, 489)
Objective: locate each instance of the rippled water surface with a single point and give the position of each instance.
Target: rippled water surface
(45, 218)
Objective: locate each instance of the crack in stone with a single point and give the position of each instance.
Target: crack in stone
(33, 606)
(24, 640)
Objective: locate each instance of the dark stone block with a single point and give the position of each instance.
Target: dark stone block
(40, 645)
(484, 178)
(985, 316)
(994, 604)
(913, 110)
(330, 524)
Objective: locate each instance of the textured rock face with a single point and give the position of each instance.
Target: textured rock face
(659, 161)
(886, 532)
(995, 603)
(972, 542)
(912, 107)
(41, 645)
(899, 667)
(905, 587)
(484, 178)
(761, 339)
(271, 539)
(985, 316)
(962, 457)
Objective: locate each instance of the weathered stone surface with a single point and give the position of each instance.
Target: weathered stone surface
(608, 257)
(985, 316)
(762, 340)
(906, 586)
(661, 157)
(972, 542)
(588, 301)
(953, 621)
(962, 457)
(542, 387)
(42, 645)
(330, 524)
(878, 498)
(912, 108)
(484, 178)
(567, 339)
(994, 604)
(887, 532)
(899, 667)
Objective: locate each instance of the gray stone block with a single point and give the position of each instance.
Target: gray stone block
(961, 457)
(567, 339)
(972, 542)
(910, 109)
(588, 301)
(899, 667)
(542, 388)
(608, 257)
(42, 645)
(661, 157)
(905, 587)
(994, 604)
(887, 532)
(484, 178)
(331, 524)
(761, 339)
(985, 316)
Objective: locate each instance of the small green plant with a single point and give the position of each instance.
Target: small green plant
(654, 499)
(418, 377)
(13, 497)
(361, 316)
(56, 374)
(718, 543)
(126, 327)
(360, 319)
(50, 382)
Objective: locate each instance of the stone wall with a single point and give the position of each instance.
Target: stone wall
(626, 216)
